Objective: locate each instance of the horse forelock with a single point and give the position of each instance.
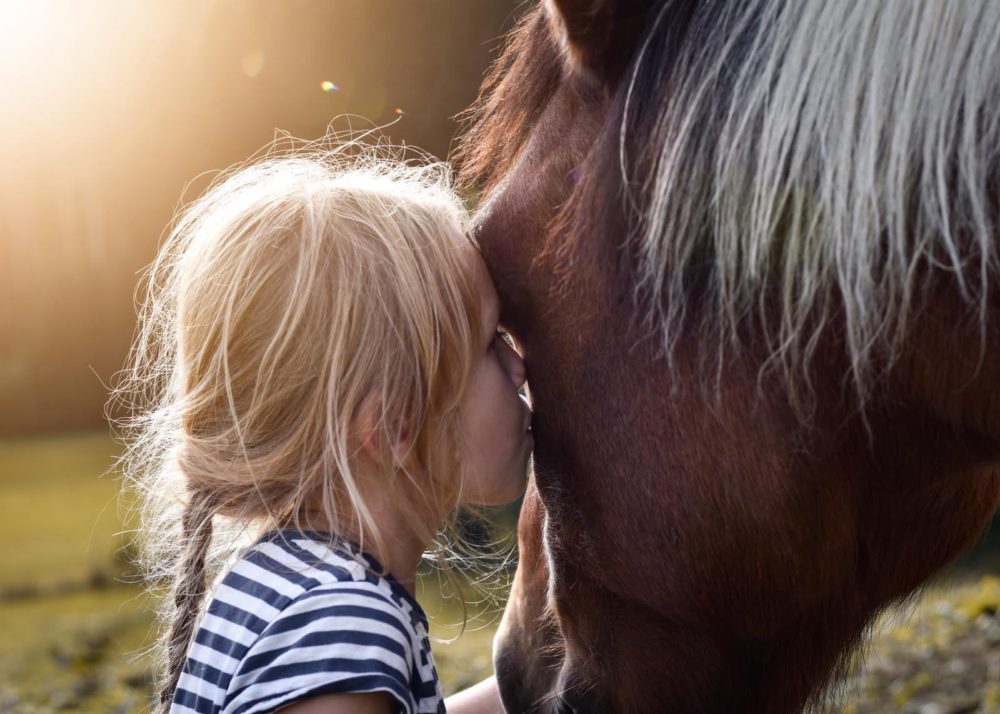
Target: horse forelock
(513, 95)
(825, 155)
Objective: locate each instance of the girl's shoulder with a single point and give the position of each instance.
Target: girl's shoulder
(301, 614)
(303, 570)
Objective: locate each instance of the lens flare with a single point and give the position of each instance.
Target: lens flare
(252, 63)
(399, 111)
(328, 86)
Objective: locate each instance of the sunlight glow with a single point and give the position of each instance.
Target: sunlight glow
(29, 31)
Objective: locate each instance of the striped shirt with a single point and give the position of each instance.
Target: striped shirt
(294, 619)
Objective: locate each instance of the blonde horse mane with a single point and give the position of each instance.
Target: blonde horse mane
(825, 154)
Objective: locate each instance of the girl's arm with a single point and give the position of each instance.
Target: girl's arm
(370, 703)
(482, 698)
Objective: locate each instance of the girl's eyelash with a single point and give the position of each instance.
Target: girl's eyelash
(500, 334)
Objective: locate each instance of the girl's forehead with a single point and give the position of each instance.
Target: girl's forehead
(488, 299)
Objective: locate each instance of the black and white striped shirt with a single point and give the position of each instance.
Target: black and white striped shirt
(293, 619)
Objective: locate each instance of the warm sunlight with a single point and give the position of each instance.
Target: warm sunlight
(109, 107)
(28, 33)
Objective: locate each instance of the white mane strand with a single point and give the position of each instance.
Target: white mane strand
(823, 153)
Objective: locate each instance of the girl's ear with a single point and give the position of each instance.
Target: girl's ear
(371, 434)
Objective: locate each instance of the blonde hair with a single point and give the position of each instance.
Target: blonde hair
(293, 291)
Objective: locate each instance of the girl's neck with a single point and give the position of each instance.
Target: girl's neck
(401, 547)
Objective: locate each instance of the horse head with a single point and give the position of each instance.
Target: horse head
(747, 250)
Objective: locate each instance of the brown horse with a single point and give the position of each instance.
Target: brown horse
(749, 249)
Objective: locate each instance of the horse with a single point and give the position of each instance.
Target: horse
(748, 249)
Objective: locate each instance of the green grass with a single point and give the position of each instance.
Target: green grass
(60, 509)
(79, 652)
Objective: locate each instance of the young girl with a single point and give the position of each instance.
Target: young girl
(320, 383)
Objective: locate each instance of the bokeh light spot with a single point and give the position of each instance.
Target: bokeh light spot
(399, 111)
(328, 86)
(252, 63)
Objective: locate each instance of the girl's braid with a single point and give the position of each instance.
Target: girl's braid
(189, 587)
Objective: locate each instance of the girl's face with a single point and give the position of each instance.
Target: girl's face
(496, 439)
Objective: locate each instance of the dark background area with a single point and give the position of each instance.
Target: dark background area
(110, 107)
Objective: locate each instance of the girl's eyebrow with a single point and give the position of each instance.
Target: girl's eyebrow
(492, 320)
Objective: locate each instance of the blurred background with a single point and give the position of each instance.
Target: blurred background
(108, 110)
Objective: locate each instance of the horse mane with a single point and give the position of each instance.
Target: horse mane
(824, 157)
(796, 160)
(513, 95)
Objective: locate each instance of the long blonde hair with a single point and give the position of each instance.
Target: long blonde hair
(295, 289)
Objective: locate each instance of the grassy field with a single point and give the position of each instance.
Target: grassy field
(61, 516)
(71, 632)
(79, 652)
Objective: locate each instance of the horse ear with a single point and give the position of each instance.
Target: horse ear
(599, 36)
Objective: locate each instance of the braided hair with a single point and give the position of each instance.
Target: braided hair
(189, 589)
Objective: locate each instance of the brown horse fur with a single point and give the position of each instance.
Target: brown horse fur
(696, 538)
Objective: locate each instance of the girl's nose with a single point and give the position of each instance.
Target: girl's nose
(513, 363)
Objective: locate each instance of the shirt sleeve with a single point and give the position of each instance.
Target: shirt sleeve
(343, 640)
